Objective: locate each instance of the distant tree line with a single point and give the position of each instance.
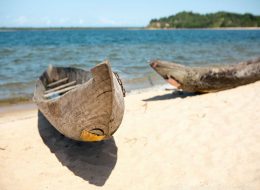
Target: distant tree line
(213, 20)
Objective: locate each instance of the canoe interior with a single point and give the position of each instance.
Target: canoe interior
(53, 74)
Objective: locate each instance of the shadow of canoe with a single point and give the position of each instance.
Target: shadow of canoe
(172, 95)
(93, 162)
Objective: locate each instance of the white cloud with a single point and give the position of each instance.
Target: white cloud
(48, 22)
(111, 22)
(63, 20)
(21, 20)
(108, 21)
(81, 21)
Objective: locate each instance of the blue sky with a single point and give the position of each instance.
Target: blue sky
(97, 13)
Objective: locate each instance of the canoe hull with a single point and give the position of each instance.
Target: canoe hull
(95, 107)
(208, 79)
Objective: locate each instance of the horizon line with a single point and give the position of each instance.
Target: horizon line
(76, 27)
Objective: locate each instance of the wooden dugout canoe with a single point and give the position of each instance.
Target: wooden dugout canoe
(208, 79)
(89, 108)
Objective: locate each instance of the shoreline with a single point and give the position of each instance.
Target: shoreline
(12, 106)
(29, 101)
(21, 106)
(14, 101)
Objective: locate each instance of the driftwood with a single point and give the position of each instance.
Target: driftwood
(208, 79)
(91, 111)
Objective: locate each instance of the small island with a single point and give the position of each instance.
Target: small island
(213, 20)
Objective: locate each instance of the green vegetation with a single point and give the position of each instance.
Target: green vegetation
(213, 20)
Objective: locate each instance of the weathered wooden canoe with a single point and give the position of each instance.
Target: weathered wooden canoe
(82, 105)
(208, 79)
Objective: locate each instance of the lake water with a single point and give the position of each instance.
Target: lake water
(24, 55)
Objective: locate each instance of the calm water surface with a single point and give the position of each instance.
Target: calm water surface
(24, 55)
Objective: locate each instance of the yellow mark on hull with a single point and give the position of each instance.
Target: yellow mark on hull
(90, 137)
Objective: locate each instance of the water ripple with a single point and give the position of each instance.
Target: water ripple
(24, 55)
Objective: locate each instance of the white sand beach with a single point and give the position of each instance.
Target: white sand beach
(166, 141)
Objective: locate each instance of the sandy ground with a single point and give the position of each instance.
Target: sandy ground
(166, 141)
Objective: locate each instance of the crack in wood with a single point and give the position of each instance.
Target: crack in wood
(104, 92)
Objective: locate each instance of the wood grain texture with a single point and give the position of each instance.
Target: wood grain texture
(59, 92)
(96, 104)
(60, 87)
(56, 83)
(208, 79)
